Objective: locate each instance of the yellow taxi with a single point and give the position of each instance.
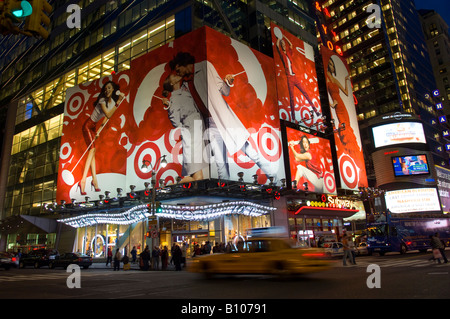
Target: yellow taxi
(262, 256)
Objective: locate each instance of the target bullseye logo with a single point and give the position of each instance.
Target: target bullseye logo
(329, 182)
(349, 171)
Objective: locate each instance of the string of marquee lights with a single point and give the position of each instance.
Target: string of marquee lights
(182, 212)
(213, 211)
(127, 217)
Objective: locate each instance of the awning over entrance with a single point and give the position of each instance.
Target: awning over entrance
(118, 216)
(326, 211)
(182, 212)
(28, 224)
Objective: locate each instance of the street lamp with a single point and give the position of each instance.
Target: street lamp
(145, 164)
(148, 167)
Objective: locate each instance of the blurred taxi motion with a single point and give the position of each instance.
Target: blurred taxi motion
(262, 256)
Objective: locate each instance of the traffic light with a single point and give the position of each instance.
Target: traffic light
(17, 9)
(158, 208)
(277, 195)
(33, 23)
(11, 14)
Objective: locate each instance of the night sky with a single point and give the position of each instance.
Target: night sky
(440, 6)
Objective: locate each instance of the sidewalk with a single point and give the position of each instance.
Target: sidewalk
(102, 265)
(134, 266)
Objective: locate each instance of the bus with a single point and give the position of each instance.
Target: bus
(405, 233)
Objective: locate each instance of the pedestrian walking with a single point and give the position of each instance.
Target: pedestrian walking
(133, 254)
(164, 258)
(117, 258)
(155, 258)
(352, 247)
(177, 255)
(109, 257)
(347, 251)
(438, 248)
(144, 261)
(184, 254)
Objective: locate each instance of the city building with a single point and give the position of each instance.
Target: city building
(438, 43)
(386, 50)
(41, 80)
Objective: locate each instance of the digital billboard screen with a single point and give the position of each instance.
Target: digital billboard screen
(352, 169)
(189, 102)
(414, 200)
(398, 133)
(310, 162)
(410, 165)
(295, 71)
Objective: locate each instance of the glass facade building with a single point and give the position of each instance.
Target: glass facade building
(35, 73)
(390, 68)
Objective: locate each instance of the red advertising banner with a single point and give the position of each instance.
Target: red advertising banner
(92, 153)
(343, 112)
(310, 162)
(204, 102)
(298, 91)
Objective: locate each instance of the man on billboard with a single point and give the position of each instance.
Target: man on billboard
(225, 130)
(184, 114)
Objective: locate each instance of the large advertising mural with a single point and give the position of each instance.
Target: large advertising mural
(204, 102)
(298, 91)
(92, 153)
(310, 162)
(343, 112)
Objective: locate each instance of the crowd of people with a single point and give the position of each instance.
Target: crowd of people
(160, 258)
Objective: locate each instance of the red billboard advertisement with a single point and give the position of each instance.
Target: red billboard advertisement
(295, 70)
(204, 102)
(343, 112)
(310, 162)
(91, 153)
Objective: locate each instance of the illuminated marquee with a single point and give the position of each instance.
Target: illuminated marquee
(413, 200)
(182, 212)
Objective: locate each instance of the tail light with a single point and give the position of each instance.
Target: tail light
(408, 243)
(13, 259)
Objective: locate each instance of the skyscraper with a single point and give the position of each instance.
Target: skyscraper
(438, 42)
(390, 66)
(35, 74)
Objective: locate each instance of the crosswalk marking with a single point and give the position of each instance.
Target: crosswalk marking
(394, 263)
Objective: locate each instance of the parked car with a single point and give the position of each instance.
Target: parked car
(7, 260)
(262, 256)
(361, 249)
(71, 258)
(38, 258)
(334, 249)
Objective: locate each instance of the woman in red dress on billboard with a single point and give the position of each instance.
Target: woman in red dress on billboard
(346, 135)
(105, 106)
(312, 170)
